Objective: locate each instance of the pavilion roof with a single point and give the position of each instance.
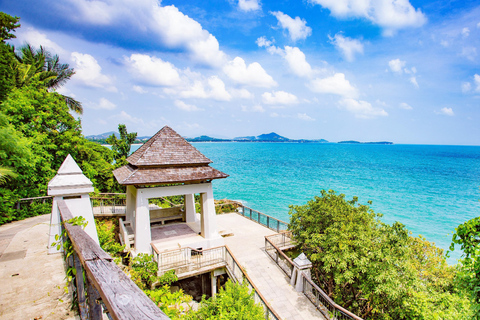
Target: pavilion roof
(164, 159)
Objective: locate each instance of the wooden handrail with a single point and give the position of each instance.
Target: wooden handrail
(122, 297)
(281, 252)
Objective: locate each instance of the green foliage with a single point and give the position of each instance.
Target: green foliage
(106, 237)
(173, 304)
(376, 270)
(121, 147)
(144, 271)
(8, 24)
(8, 65)
(467, 235)
(234, 302)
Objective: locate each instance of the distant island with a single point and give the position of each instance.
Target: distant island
(268, 137)
(358, 142)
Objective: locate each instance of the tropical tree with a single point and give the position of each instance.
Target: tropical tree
(5, 174)
(122, 146)
(8, 63)
(376, 270)
(41, 67)
(7, 25)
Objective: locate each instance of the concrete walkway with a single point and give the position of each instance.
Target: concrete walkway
(31, 281)
(247, 244)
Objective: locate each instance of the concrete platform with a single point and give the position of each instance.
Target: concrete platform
(247, 244)
(31, 281)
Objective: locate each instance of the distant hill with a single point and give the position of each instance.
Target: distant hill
(266, 137)
(358, 142)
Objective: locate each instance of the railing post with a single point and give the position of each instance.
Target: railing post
(94, 308)
(268, 222)
(82, 304)
(278, 225)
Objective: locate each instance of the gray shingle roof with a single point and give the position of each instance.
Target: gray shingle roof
(166, 158)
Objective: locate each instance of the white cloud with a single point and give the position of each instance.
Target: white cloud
(469, 52)
(465, 32)
(263, 42)
(253, 75)
(139, 89)
(37, 39)
(255, 108)
(297, 28)
(165, 24)
(405, 106)
(152, 70)
(337, 84)
(413, 80)
(103, 104)
(249, 5)
(241, 93)
(476, 79)
(297, 62)
(88, 71)
(388, 14)
(466, 87)
(305, 117)
(396, 65)
(186, 107)
(211, 88)
(179, 30)
(125, 117)
(347, 46)
(279, 97)
(217, 89)
(362, 109)
(446, 111)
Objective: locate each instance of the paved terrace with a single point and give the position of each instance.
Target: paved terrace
(247, 244)
(31, 281)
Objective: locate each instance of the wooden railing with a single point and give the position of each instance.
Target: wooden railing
(106, 285)
(274, 246)
(324, 303)
(263, 219)
(189, 259)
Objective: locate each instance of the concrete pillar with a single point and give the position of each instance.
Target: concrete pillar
(189, 208)
(143, 235)
(72, 186)
(131, 205)
(213, 279)
(208, 218)
(301, 269)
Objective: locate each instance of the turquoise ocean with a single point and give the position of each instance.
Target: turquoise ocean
(431, 189)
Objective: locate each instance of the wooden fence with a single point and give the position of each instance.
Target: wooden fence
(105, 285)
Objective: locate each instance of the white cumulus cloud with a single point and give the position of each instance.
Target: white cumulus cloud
(251, 75)
(211, 88)
(103, 104)
(125, 117)
(37, 39)
(347, 46)
(413, 80)
(152, 70)
(305, 117)
(279, 97)
(297, 28)
(362, 109)
(297, 62)
(446, 111)
(249, 5)
(139, 89)
(405, 106)
(241, 93)
(186, 107)
(466, 87)
(89, 72)
(465, 32)
(336, 84)
(397, 65)
(476, 80)
(391, 15)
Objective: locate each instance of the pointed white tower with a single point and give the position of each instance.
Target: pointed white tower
(71, 185)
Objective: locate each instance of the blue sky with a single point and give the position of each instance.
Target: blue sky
(368, 70)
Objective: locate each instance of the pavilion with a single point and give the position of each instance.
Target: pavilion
(168, 165)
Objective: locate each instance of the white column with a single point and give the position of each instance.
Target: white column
(131, 204)
(143, 235)
(209, 221)
(55, 226)
(190, 208)
(214, 283)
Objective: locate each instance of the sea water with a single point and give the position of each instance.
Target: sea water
(430, 189)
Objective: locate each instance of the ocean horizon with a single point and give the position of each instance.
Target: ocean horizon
(431, 189)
